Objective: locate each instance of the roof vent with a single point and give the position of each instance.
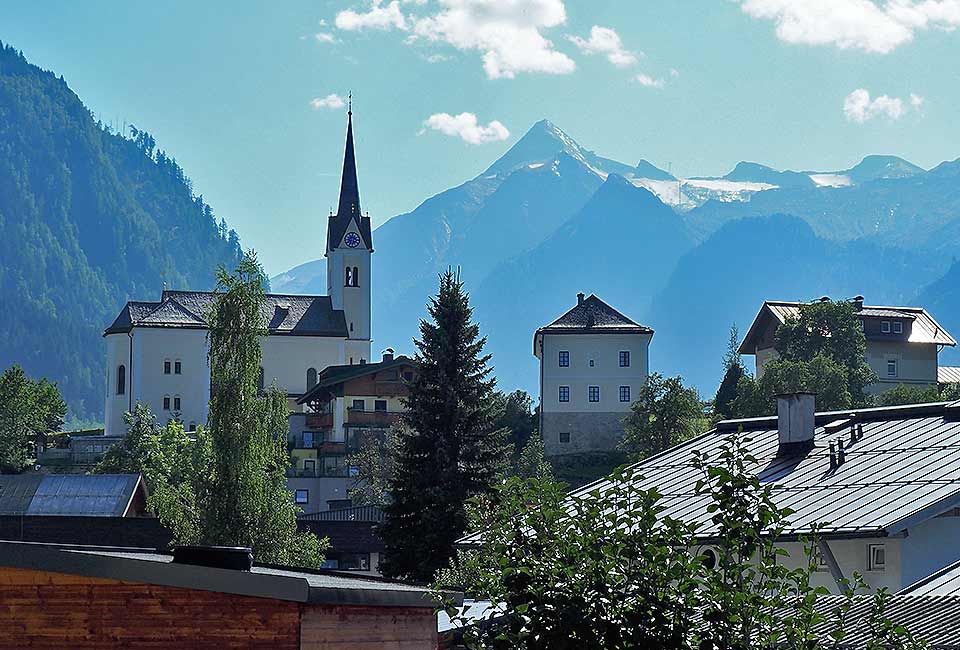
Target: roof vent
(237, 558)
(795, 423)
(580, 298)
(388, 355)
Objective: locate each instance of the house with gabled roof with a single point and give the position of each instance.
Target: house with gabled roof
(157, 351)
(882, 485)
(593, 360)
(903, 343)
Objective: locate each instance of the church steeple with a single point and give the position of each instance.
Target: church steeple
(348, 208)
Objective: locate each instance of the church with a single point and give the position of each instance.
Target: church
(157, 351)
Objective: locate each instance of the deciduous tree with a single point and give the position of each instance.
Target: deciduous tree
(664, 414)
(29, 411)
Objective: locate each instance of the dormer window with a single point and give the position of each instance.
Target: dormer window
(885, 326)
(897, 327)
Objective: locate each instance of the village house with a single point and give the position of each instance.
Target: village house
(202, 598)
(348, 405)
(593, 360)
(903, 343)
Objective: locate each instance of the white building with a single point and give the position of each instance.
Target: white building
(157, 351)
(593, 360)
(903, 343)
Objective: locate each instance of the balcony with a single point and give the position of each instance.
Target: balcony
(372, 418)
(319, 420)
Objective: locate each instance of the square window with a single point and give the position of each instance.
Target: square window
(885, 326)
(593, 393)
(380, 405)
(891, 367)
(624, 358)
(624, 393)
(176, 403)
(876, 557)
(564, 359)
(308, 439)
(177, 367)
(897, 327)
(564, 394)
(591, 363)
(564, 436)
(359, 405)
(166, 402)
(166, 367)
(310, 467)
(301, 496)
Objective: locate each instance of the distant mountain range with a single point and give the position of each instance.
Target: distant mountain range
(689, 257)
(88, 220)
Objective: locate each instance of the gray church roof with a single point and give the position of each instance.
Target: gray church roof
(283, 314)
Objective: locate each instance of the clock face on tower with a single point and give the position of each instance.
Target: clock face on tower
(352, 239)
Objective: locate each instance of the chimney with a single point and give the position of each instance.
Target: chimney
(388, 355)
(858, 303)
(580, 298)
(237, 558)
(795, 423)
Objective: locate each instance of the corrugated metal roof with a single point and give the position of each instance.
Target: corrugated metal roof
(90, 495)
(945, 582)
(933, 619)
(924, 330)
(905, 469)
(948, 374)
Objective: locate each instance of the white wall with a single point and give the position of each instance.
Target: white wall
(930, 546)
(286, 359)
(916, 362)
(118, 353)
(604, 350)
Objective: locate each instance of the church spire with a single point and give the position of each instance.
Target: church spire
(348, 208)
(349, 191)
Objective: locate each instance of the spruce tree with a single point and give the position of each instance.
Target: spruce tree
(733, 371)
(449, 451)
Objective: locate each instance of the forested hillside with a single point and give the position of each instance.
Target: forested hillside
(89, 218)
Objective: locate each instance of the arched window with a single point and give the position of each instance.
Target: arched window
(356, 277)
(260, 379)
(121, 379)
(348, 277)
(311, 378)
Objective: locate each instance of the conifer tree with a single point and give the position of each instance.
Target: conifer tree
(449, 451)
(733, 370)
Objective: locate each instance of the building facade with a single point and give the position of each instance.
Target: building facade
(593, 360)
(903, 343)
(157, 351)
(349, 405)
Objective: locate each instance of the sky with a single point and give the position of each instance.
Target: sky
(248, 95)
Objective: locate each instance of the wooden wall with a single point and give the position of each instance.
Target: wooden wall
(368, 628)
(51, 610)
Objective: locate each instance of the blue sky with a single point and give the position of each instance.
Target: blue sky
(696, 85)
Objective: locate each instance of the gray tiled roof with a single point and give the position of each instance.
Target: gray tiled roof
(87, 495)
(594, 314)
(283, 314)
(904, 470)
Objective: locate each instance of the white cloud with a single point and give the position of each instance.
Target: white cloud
(323, 37)
(436, 58)
(507, 33)
(859, 107)
(648, 81)
(330, 101)
(917, 101)
(466, 127)
(606, 41)
(878, 26)
(380, 16)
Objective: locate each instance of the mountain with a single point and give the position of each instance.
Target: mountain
(687, 256)
(88, 219)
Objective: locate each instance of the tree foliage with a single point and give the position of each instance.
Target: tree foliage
(606, 569)
(822, 375)
(29, 411)
(233, 490)
(375, 467)
(449, 451)
(516, 414)
(733, 371)
(664, 414)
